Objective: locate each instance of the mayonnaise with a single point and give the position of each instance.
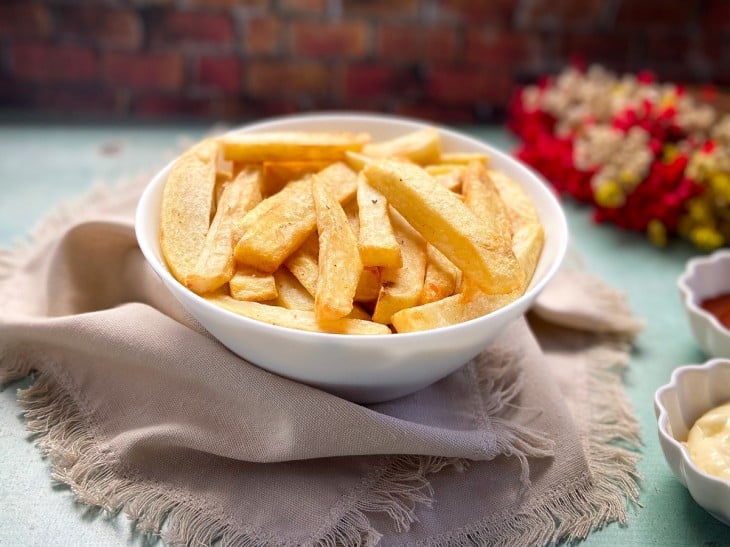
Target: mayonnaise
(709, 442)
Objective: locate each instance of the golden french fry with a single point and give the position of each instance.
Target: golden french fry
(291, 293)
(357, 160)
(280, 223)
(284, 146)
(401, 287)
(527, 244)
(449, 311)
(483, 199)
(294, 296)
(422, 147)
(445, 222)
(520, 208)
(304, 263)
(296, 319)
(368, 288)
(223, 168)
(463, 158)
(276, 174)
(442, 277)
(251, 284)
(187, 205)
(451, 180)
(340, 265)
(376, 240)
(215, 265)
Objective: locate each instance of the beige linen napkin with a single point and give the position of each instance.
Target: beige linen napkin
(141, 411)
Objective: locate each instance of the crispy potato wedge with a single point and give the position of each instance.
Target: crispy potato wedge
(442, 277)
(422, 147)
(460, 307)
(340, 265)
(187, 205)
(277, 174)
(464, 158)
(519, 206)
(376, 240)
(483, 199)
(451, 180)
(291, 293)
(294, 296)
(251, 284)
(402, 287)
(445, 222)
(368, 288)
(279, 224)
(295, 145)
(215, 265)
(357, 160)
(304, 263)
(296, 319)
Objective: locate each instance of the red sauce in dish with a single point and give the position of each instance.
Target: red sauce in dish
(719, 306)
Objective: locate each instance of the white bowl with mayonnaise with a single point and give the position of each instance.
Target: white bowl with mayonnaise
(700, 460)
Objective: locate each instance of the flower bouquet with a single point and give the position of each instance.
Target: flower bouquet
(648, 156)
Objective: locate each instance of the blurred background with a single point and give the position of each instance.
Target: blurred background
(454, 61)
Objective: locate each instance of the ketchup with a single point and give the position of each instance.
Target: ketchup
(719, 306)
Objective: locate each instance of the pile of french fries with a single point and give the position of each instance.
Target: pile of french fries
(331, 232)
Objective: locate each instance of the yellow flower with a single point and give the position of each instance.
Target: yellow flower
(609, 194)
(657, 232)
(706, 238)
(720, 185)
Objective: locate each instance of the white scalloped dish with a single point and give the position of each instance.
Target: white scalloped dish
(706, 277)
(692, 391)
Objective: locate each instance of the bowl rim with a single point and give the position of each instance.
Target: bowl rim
(688, 294)
(561, 230)
(663, 413)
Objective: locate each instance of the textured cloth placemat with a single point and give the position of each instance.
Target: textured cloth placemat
(140, 410)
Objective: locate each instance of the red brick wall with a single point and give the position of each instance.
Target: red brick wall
(451, 60)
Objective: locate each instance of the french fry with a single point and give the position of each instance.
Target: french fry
(520, 208)
(527, 244)
(187, 205)
(215, 265)
(368, 288)
(376, 240)
(340, 265)
(401, 287)
(296, 319)
(304, 263)
(287, 218)
(291, 293)
(223, 168)
(483, 199)
(357, 160)
(442, 277)
(463, 158)
(451, 180)
(284, 146)
(276, 174)
(250, 284)
(445, 222)
(422, 147)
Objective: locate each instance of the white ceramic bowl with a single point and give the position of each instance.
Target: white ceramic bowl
(705, 277)
(692, 391)
(367, 368)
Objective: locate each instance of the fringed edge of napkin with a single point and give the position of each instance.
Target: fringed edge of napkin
(604, 494)
(96, 477)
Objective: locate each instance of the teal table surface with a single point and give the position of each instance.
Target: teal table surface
(44, 165)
